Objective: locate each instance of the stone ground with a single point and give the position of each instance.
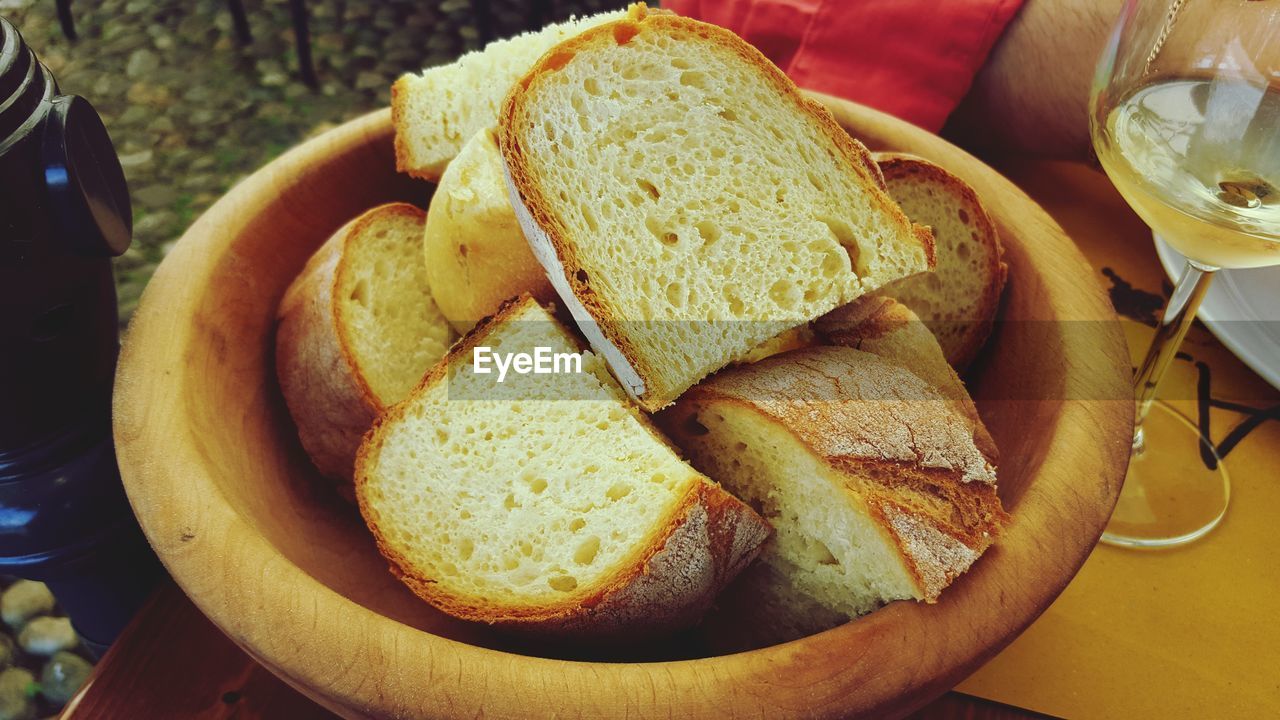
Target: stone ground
(42, 662)
(191, 112)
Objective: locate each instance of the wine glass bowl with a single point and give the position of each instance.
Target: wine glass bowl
(1185, 119)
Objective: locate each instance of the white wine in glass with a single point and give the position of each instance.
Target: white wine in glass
(1185, 117)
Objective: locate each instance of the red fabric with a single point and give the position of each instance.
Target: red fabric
(912, 58)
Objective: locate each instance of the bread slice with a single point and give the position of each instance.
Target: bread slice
(959, 299)
(886, 328)
(437, 111)
(357, 330)
(547, 501)
(869, 476)
(687, 202)
(476, 255)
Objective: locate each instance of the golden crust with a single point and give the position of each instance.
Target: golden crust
(897, 442)
(667, 582)
(524, 178)
(899, 166)
(323, 384)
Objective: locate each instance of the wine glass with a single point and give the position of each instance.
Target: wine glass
(1185, 118)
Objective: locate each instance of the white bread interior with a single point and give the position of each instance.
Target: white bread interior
(357, 330)
(436, 111)
(547, 502)
(960, 298)
(687, 202)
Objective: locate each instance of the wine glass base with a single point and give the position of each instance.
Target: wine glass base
(1171, 496)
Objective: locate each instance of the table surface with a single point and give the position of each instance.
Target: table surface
(172, 662)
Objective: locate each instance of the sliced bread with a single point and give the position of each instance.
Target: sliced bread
(959, 299)
(545, 502)
(886, 328)
(437, 111)
(687, 202)
(869, 476)
(357, 330)
(476, 255)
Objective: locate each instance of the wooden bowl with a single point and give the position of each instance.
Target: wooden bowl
(219, 482)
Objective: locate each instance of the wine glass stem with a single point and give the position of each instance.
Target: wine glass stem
(1174, 323)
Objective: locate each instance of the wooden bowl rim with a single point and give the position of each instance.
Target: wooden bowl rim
(822, 675)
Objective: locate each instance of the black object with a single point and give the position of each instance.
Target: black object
(240, 23)
(64, 212)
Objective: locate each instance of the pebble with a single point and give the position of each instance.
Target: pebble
(136, 160)
(142, 63)
(156, 196)
(135, 115)
(45, 636)
(157, 225)
(63, 676)
(369, 81)
(161, 124)
(24, 600)
(17, 694)
(275, 78)
(8, 651)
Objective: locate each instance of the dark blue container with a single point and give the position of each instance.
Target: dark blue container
(64, 213)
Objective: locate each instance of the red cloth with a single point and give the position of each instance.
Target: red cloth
(912, 58)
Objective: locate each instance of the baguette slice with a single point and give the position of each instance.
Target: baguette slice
(886, 328)
(437, 111)
(477, 257)
(687, 202)
(357, 330)
(545, 502)
(869, 476)
(958, 300)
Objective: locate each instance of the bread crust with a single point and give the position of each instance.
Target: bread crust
(667, 582)
(897, 166)
(933, 497)
(885, 327)
(524, 179)
(320, 376)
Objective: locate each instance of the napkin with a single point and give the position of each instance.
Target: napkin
(911, 58)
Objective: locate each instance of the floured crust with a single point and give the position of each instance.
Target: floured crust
(667, 582)
(933, 555)
(885, 327)
(902, 166)
(917, 469)
(566, 271)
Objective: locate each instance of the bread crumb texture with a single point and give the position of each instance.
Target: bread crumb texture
(526, 502)
(395, 330)
(699, 204)
(437, 110)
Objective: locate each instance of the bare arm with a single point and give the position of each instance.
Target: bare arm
(1032, 96)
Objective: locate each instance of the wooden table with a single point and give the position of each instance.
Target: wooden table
(171, 662)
